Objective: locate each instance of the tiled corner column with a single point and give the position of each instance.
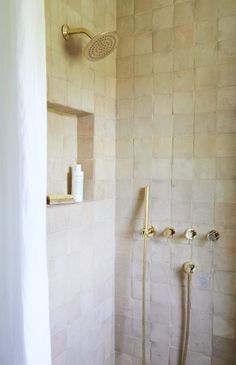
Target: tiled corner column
(176, 130)
(81, 237)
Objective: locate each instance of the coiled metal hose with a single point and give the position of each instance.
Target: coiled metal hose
(144, 299)
(148, 231)
(187, 322)
(189, 268)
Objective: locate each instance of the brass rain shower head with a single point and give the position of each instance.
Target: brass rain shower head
(98, 47)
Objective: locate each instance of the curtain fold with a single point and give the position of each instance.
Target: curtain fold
(24, 308)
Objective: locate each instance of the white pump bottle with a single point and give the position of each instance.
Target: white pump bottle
(78, 183)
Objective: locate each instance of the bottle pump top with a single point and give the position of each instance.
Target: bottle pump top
(77, 168)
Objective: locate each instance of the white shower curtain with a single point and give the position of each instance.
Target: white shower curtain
(24, 312)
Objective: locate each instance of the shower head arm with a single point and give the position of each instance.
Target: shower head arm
(67, 31)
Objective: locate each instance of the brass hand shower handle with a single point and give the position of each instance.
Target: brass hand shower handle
(147, 231)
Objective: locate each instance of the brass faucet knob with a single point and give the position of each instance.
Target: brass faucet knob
(190, 234)
(213, 235)
(169, 232)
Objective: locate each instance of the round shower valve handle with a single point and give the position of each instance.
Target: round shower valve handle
(213, 235)
(169, 232)
(190, 234)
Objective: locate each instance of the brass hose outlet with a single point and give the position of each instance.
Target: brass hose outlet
(190, 267)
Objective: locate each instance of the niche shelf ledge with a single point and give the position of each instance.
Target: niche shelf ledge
(66, 109)
(70, 141)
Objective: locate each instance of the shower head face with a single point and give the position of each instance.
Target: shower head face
(101, 46)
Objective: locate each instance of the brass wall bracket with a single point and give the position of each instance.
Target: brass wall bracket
(149, 232)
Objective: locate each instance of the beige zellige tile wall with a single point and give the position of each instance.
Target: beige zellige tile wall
(81, 236)
(176, 130)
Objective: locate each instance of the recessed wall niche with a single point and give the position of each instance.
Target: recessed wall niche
(70, 140)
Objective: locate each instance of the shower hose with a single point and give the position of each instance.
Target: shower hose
(145, 239)
(187, 321)
(187, 310)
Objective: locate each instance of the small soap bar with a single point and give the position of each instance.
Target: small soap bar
(60, 199)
